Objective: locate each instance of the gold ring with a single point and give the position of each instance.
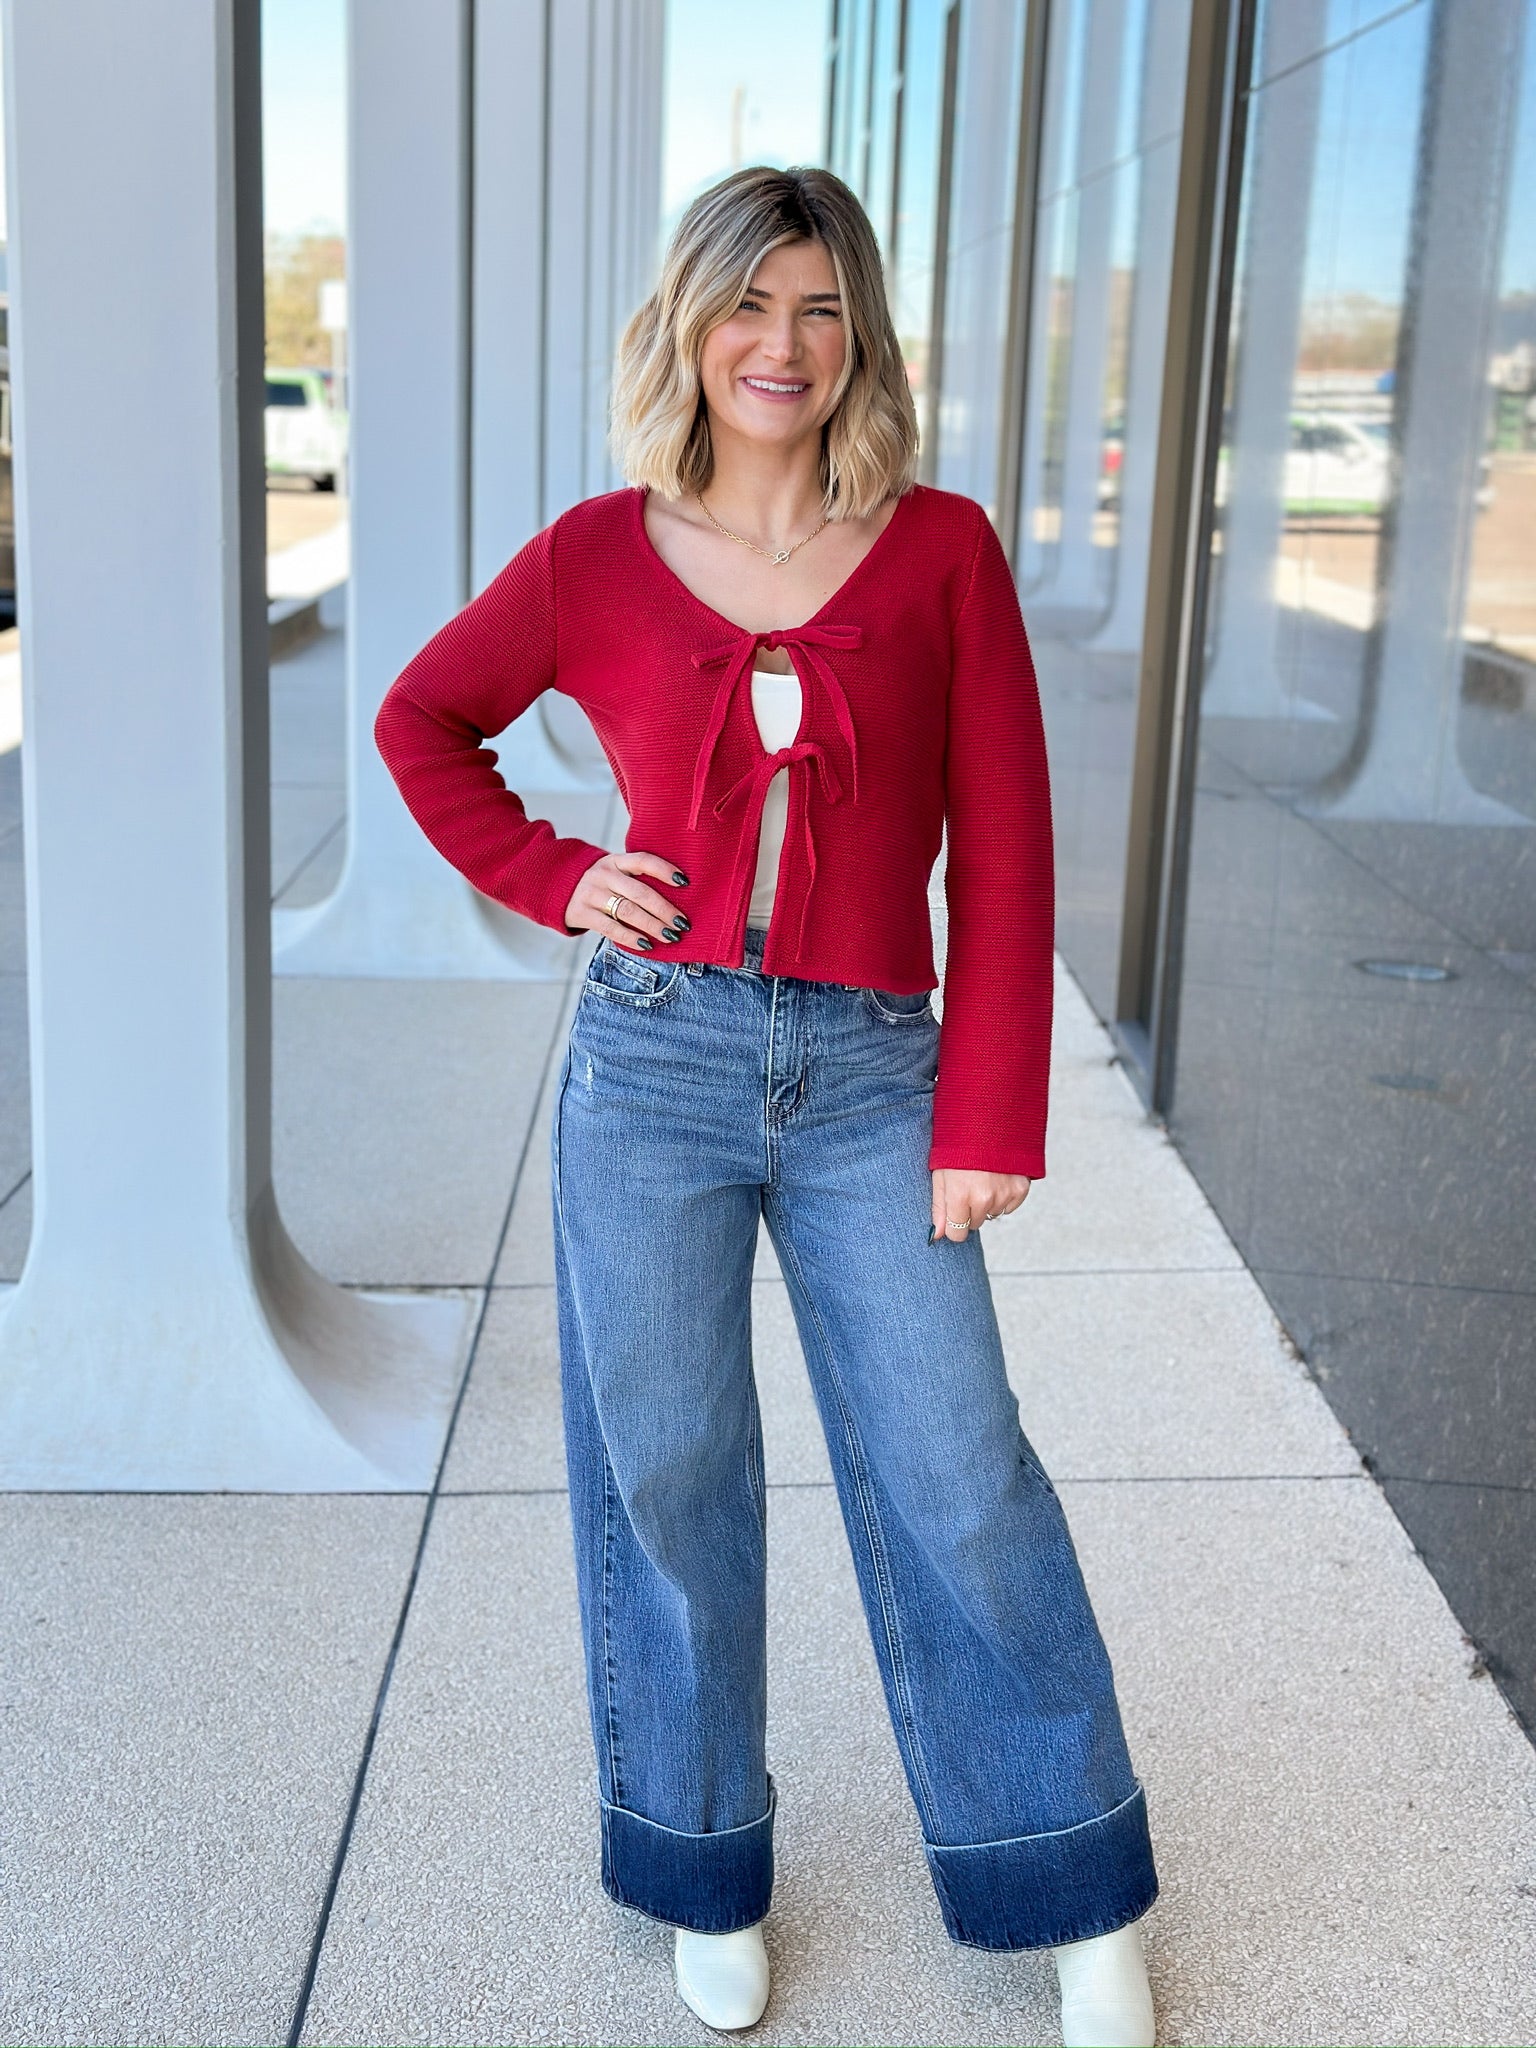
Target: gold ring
(613, 904)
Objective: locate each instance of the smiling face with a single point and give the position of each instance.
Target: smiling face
(769, 372)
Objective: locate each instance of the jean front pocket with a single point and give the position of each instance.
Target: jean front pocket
(891, 1008)
(619, 976)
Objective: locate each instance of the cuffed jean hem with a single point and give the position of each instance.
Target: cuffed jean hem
(713, 1883)
(1040, 1891)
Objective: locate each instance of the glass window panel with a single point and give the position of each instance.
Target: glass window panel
(981, 251)
(852, 88)
(1356, 1063)
(917, 217)
(1133, 43)
(1104, 237)
(1066, 55)
(1290, 32)
(885, 85)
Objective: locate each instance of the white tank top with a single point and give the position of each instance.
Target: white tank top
(776, 708)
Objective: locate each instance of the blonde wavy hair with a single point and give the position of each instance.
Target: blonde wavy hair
(658, 422)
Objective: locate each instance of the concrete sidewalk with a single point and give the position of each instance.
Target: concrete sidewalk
(218, 1709)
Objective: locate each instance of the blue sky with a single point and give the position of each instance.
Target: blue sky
(719, 49)
(715, 49)
(304, 89)
(775, 61)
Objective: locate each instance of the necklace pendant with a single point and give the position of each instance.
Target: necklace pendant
(782, 555)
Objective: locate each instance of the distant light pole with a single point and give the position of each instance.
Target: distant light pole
(333, 321)
(738, 116)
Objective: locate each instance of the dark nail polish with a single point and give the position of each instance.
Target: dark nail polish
(679, 876)
(642, 940)
(683, 922)
(933, 1231)
(669, 935)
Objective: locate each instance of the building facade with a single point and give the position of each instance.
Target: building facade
(1228, 314)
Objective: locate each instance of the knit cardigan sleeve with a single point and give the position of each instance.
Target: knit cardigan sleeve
(989, 1112)
(482, 670)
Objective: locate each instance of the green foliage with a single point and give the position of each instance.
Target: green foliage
(296, 267)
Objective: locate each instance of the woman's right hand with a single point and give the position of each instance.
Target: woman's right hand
(644, 915)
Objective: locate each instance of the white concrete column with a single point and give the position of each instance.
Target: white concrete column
(1055, 212)
(646, 73)
(1244, 678)
(1409, 770)
(980, 249)
(399, 907)
(1032, 550)
(601, 161)
(551, 746)
(548, 308)
(605, 164)
(1159, 126)
(506, 494)
(165, 1333)
(567, 310)
(1075, 578)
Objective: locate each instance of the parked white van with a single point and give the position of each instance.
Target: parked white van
(306, 435)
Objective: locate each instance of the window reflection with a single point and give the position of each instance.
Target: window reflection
(917, 196)
(1355, 1066)
(888, 98)
(1108, 185)
(984, 178)
(1356, 1080)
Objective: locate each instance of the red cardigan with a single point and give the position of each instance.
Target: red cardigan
(920, 709)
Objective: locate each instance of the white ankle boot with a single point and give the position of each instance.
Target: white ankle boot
(722, 1977)
(1106, 2001)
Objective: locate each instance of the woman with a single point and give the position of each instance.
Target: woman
(803, 668)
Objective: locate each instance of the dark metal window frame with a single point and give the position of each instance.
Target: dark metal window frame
(928, 454)
(1019, 343)
(898, 136)
(829, 138)
(1145, 1026)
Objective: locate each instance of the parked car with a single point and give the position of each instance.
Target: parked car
(1111, 461)
(1335, 466)
(306, 435)
(1339, 466)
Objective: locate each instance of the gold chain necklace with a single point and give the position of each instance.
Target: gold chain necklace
(769, 555)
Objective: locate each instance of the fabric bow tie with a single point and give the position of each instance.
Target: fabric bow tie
(735, 657)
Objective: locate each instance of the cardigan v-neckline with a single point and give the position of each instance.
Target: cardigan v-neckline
(638, 493)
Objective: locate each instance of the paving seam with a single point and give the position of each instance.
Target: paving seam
(1397, 1280)
(313, 854)
(996, 1272)
(1061, 1478)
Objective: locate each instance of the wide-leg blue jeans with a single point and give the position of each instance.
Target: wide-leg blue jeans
(694, 1099)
